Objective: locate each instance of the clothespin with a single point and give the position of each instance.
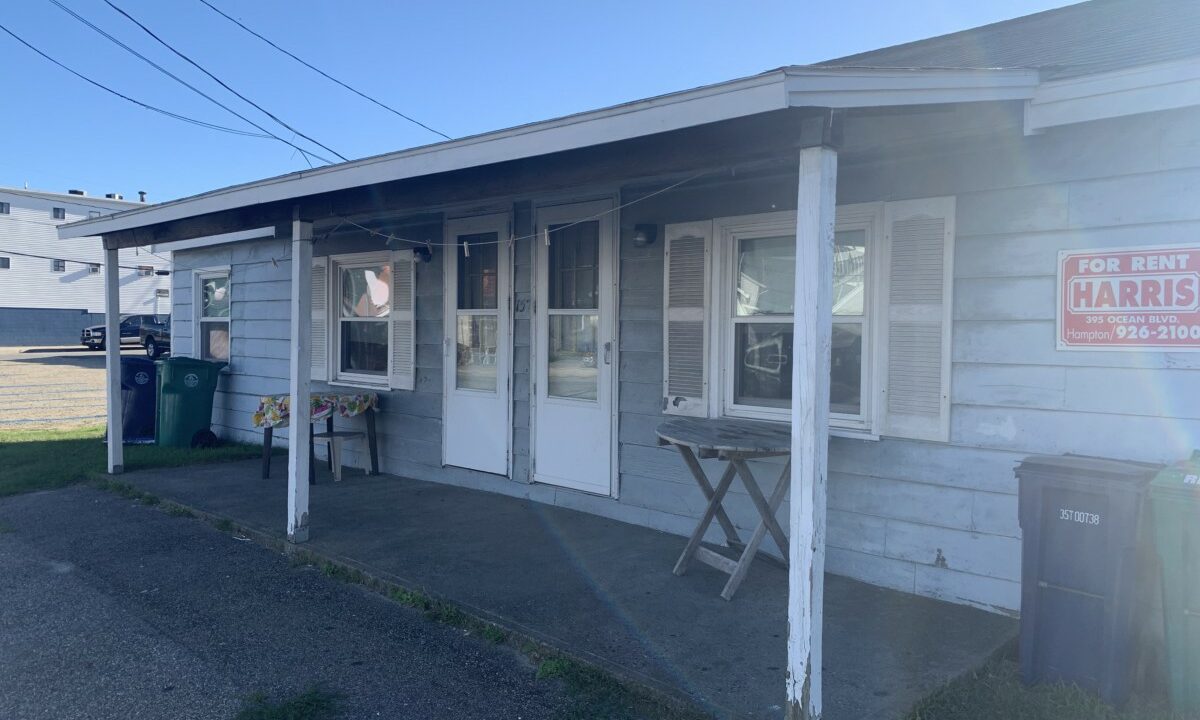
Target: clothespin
(546, 235)
(511, 238)
(428, 247)
(466, 249)
(274, 262)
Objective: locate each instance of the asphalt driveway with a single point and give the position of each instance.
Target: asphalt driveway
(112, 609)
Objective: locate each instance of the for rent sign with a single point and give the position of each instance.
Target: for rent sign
(1129, 298)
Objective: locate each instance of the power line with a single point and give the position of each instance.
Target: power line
(220, 82)
(77, 262)
(324, 74)
(147, 106)
(268, 134)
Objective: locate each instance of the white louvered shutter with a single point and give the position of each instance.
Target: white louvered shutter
(320, 319)
(688, 247)
(402, 321)
(916, 356)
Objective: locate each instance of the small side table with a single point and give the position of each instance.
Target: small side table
(734, 441)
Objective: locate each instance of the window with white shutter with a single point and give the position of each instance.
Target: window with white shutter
(685, 329)
(403, 325)
(320, 319)
(890, 354)
(915, 353)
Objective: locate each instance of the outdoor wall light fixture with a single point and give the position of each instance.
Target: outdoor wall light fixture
(644, 235)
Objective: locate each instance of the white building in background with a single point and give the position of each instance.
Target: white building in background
(51, 288)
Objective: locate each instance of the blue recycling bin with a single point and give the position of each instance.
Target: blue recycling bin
(1080, 523)
(138, 399)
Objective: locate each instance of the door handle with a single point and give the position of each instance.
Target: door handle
(608, 353)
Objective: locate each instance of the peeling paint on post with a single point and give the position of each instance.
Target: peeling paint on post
(300, 381)
(810, 428)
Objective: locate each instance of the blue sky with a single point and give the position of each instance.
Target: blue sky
(460, 67)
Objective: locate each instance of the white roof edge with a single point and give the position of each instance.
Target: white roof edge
(68, 197)
(773, 90)
(1154, 87)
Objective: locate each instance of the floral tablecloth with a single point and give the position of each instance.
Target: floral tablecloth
(273, 410)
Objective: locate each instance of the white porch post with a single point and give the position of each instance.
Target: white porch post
(300, 383)
(810, 427)
(112, 361)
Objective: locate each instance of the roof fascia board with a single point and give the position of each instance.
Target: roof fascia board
(739, 98)
(1129, 91)
(875, 87)
(210, 240)
(777, 90)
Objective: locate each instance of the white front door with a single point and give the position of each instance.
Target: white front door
(574, 348)
(477, 346)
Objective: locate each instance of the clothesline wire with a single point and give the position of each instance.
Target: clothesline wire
(425, 243)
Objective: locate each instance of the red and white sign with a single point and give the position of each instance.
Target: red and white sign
(1129, 299)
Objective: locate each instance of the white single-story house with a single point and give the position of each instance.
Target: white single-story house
(927, 246)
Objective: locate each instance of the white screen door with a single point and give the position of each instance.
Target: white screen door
(574, 347)
(476, 430)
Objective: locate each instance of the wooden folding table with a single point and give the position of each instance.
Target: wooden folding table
(734, 441)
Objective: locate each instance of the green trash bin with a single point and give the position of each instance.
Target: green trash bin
(1175, 504)
(185, 399)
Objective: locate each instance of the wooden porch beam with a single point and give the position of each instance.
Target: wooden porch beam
(300, 379)
(112, 362)
(810, 426)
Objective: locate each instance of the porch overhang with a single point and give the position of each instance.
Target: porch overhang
(802, 86)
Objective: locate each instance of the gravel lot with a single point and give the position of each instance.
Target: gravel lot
(51, 387)
(117, 610)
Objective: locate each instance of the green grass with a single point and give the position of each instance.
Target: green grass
(596, 694)
(313, 704)
(48, 459)
(995, 692)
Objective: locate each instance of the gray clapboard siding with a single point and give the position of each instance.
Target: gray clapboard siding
(1021, 255)
(967, 588)
(870, 567)
(932, 505)
(992, 556)
(1025, 298)
(995, 513)
(1039, 386)
(1130, 437)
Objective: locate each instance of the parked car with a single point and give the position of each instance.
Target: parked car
(131, 332)
(156, 335)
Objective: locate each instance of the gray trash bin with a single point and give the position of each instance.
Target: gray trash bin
(1079, 572)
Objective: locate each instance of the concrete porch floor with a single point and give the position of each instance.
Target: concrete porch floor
(603, 590)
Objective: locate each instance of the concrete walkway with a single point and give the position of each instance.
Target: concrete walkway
(604, 591)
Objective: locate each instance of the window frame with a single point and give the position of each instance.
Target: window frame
(145, 270)
(727, 231)
(58, 213)
(5, 262)
(198, 319)
(5, 208)
(351, 261)
(93, 268)
(58, 266)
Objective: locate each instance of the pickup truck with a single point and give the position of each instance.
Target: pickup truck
(152, 332)
(155, 335)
